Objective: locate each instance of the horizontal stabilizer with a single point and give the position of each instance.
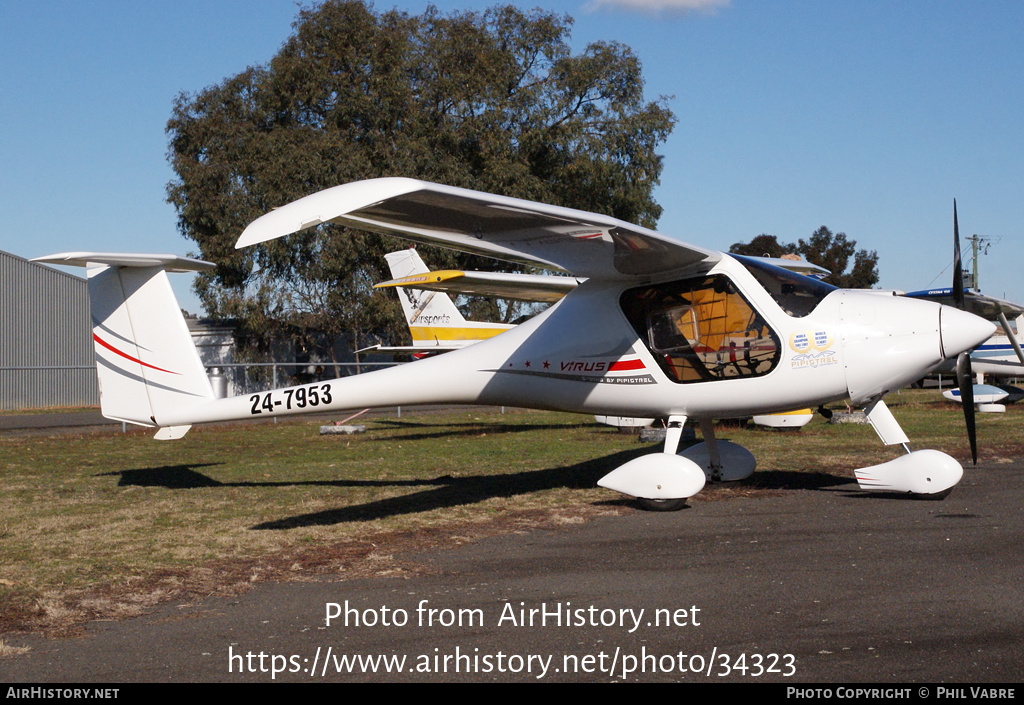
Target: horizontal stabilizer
(169, 263)
(519, 287)
(411, 349)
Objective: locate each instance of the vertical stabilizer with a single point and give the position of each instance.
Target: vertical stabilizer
(421, 308)
(144, 353)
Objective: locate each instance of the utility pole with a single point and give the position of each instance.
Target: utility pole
(976, 244)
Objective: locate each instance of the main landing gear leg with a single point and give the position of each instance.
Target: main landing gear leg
(714, 469)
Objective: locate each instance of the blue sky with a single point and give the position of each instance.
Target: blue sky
(867, 116)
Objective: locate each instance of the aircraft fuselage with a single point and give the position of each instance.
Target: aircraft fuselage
(707, 341)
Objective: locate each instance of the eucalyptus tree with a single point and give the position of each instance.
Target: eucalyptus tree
(495, 101)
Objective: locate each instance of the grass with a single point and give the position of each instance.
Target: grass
(107, 525)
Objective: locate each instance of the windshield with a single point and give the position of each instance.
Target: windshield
(796, 294)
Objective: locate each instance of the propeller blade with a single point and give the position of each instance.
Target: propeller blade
(958, 267)
(965, 379)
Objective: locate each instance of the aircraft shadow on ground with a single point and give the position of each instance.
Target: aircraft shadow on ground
(459, 491)
(172, 477)
(453, 492)
(447, 491)
(795, 480)
(185, 477)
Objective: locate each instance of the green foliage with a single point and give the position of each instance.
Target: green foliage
(494, 101)
(833, 252)
(763, 246)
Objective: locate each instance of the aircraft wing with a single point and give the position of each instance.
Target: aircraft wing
(581, 243)
(519, 287)
(988, 307)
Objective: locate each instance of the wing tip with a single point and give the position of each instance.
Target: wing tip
(322, 207)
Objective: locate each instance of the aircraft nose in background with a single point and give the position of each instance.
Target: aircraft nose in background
(959, 331)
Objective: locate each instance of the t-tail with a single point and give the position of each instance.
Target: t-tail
(146, 363)
(433, 318)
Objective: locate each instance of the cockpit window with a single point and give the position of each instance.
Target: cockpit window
(701, 329)
(796, 294)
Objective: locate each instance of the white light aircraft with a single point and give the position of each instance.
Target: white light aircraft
(659, 328)
(436, 325)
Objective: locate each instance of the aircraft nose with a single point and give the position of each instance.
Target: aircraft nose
(959, 331)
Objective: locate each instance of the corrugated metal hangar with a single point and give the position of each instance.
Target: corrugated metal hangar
(46, 356)
(46, 349)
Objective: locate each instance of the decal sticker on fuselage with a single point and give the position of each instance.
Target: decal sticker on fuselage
(813, 349)
(587, 371)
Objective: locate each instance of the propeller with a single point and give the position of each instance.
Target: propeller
(964, 373)
(958, 290)
(965, 379)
